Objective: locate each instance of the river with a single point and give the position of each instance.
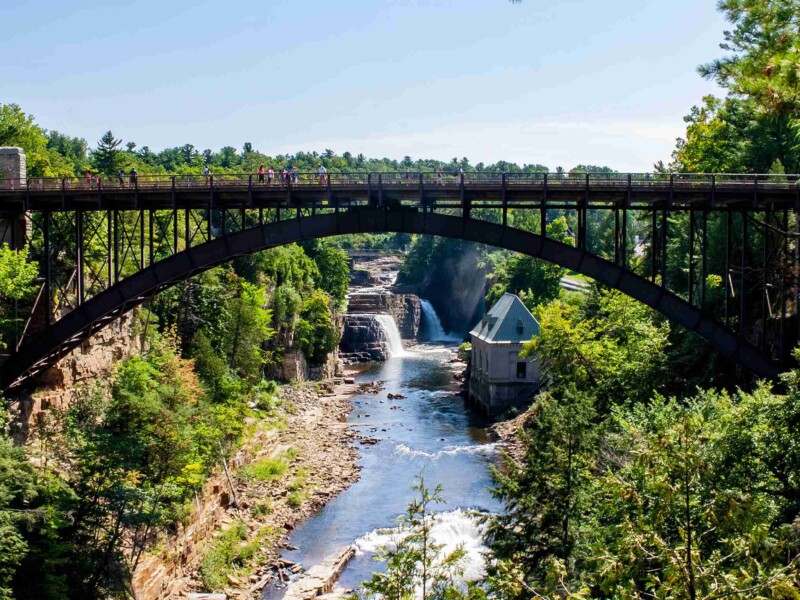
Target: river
(429, 432)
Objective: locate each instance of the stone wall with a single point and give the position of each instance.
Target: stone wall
(178, 553)
(13, 167)
(59, 386)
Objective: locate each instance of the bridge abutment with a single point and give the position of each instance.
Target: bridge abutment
(13, 176)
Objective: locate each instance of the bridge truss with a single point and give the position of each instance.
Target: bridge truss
(716, 253)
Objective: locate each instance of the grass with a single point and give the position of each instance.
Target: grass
(227, 552)
(268, 469)
(262, 509)
(230, 551)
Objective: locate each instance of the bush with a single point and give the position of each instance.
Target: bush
(268, 469)
(227, 552)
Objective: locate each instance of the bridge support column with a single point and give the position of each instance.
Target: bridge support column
(13, 176)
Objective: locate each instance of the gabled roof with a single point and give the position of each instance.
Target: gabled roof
(508, 320)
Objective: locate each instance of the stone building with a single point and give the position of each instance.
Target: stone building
(499, 378)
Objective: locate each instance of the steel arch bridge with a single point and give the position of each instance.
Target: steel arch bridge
(717, 254)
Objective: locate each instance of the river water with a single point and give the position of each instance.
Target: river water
(429, 432)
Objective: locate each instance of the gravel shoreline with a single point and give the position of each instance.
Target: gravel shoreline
(322, 463)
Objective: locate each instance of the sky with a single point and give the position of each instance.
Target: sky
(557, 82)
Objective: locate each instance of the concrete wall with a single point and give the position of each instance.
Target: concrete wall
(494, 385)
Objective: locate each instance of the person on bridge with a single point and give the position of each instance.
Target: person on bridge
(133, 176)
(207, 173)
(261, 174)
(270, 175)
(293, 173)
(439, 176)
(121, 178)
(88, 177)
(284, 176)
(321, 171)
(408, 176)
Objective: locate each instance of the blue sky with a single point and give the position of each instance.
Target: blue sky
(560, 82)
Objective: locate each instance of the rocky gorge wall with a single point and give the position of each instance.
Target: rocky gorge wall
(57, 388)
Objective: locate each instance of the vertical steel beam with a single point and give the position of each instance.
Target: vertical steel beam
(664, 233)
(151, 241)
(764, 280)
(728, 276)
(48, 304)
(653, 248)
(503, 198)
(79, 254)
(690, 291)
(543, 211)
(743, 267)
(704, 256)
(116, 246)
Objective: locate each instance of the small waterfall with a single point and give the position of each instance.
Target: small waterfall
(433, 325)
(392, 335)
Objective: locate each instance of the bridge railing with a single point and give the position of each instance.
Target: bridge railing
(677, 181)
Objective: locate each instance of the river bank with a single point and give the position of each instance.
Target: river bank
(303, 457)
(417, 423)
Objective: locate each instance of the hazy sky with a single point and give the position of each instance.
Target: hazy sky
(558, 82)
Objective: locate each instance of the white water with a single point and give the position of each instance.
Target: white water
(392, 335)
(450, 529)
(486, 449)
(435, 330)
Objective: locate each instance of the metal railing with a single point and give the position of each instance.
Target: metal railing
(401, 179)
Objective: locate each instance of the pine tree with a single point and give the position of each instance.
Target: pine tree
(107, 157)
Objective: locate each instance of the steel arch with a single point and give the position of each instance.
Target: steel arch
(68, 332)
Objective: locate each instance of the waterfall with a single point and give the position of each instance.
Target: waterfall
(433, 325)
(392, 335)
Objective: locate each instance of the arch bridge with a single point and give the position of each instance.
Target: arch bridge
(717, 254)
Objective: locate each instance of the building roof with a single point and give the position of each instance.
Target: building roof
(508, 320)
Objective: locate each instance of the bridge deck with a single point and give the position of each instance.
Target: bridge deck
(714, 192)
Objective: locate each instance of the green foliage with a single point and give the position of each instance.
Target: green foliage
(228, 551)
(19, 129)
(108, 158)
(416, 566)
(538, 280)
(17, 279)
(334, 270)
(548, 496)
(611, 344)
(247, 331)
(316, 334)
(267, 469)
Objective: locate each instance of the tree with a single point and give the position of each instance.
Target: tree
(17, 283)
(315, 333)
(416, 566)
(547, 496)
(107, 157)
(539, 279)
(19, 129)
(247, 331)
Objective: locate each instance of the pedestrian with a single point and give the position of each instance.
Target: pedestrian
(270, 175)
(88, 177)
(133, 175)
(439, 176)
(121, 178)
(321, 171)
(261, 174)
(460, 174)
(408, 176)
(293, 173)
(207, 173)
(284, 176)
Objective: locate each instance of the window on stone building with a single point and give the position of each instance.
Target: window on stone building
(522, 370)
